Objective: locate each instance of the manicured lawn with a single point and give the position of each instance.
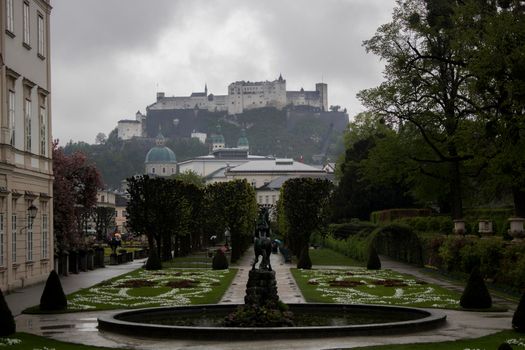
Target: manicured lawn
(489, 342)
(142, 288)
(200, 260)
(25, 341)
(328, 257)
(360, 286)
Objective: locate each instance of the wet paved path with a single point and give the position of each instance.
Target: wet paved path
(21, 299)
(288, 291)
(81, 327)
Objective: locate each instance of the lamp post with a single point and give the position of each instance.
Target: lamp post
(31, 212)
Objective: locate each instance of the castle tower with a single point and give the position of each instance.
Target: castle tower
(323, 95)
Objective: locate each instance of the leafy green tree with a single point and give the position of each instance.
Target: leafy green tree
(360, 192)
(104, 218)
(165, 210)
(497, 38)
(232, 205)
(426, 87)
(304, 204)
(190, 177)
(142, 214)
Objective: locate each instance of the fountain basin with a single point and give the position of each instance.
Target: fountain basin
(314, 320)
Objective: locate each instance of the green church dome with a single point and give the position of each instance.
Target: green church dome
(160, 155)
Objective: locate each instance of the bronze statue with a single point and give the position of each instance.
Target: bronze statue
(263, 245)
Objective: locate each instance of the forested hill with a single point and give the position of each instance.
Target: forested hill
(315, 136)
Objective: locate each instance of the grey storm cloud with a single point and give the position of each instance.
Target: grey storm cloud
(110, 57)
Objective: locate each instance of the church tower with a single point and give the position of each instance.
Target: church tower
(242, 143)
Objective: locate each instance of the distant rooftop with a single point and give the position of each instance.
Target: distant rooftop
(277, 183)
(275, 165)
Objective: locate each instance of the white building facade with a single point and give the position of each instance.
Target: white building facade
(26, 173)
(128, 128)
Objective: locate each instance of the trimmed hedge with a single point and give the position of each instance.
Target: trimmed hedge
(435, 224)
(399, 242)
(344, 230)
(499, 261)
(355, 247)
(389, 215)
(396, 241)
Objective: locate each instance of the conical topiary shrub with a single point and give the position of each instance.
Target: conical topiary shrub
(373, 262)
(518, 320)
(153, 262)
(476, 295)
(220, 261)
(53, 297)
(7, 321)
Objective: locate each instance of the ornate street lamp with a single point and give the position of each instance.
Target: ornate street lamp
(31, 212)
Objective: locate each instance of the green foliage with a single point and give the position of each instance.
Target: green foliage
(344, 230)
(398, 242)
(7, 321)
(303, 208)
(512, 266)
(357, 194)
(190, 177)
(232, 205)
(450, 251)
(53, 297)
(389, 215)
(355, 246)
(220, 261)
(426, 93)
(518, 319)
(476, 294)
(164, 210)
(373, 262)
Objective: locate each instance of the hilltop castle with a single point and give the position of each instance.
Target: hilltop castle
(245, 95)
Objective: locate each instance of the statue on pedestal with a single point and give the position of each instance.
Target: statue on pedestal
(262, 244)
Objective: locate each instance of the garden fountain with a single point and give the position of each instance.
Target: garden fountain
(263, 316)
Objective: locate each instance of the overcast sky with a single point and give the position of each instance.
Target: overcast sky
(110, 57)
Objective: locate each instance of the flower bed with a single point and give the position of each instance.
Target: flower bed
(361, 286)
(142, 288)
